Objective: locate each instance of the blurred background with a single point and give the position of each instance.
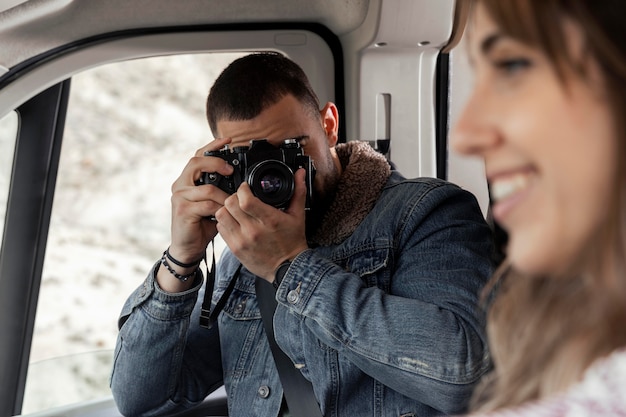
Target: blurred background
(131, 128)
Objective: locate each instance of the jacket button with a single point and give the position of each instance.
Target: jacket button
(240, 307)
(293, 296)
(264, 391)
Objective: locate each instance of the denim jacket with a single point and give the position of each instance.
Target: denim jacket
(385, 323)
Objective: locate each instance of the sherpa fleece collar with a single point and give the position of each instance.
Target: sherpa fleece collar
(365, 172)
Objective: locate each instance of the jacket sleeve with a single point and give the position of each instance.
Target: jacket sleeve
(158, 368)
(423, 336)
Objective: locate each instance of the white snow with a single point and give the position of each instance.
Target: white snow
(131, 128)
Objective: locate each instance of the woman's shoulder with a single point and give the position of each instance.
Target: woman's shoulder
(604, 384)
(601, 393)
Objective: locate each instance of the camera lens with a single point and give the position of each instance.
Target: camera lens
(272, 182)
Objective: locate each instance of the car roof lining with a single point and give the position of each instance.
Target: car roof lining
(321, 66)
(40, 25)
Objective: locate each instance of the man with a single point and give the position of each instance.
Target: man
(377, 286)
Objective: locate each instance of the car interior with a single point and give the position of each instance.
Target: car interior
(101, 105)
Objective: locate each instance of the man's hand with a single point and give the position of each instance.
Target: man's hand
(192, 207)
(262, 236)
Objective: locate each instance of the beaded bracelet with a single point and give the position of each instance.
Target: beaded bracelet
(183, 278)
(179, 263)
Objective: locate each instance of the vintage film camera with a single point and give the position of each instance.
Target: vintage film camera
(266, 168)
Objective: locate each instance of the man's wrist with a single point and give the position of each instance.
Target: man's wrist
(183, 260)
(280, 273)
(193, 264)
(190, 270)
(167, 282)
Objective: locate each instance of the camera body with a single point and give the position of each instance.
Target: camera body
(267, 169)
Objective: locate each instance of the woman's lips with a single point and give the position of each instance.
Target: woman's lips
(507, 190)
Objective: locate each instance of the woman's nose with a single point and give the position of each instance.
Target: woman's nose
(475, 130)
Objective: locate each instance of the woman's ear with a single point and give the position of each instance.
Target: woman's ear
(330, 123)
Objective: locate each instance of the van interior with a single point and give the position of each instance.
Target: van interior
(101, 105)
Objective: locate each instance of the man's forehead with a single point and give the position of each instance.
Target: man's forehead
(244, 131)
(276, 125)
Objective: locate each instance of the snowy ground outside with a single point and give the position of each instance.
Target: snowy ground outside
(131, 128)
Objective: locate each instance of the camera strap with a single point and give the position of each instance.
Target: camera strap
(297, 389)
(207, 317)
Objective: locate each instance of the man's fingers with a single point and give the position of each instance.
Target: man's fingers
(244, 204)
(198, 165)
(214, 145)
(249, 205)
(202, 201)
(298, 201)
(227, 225)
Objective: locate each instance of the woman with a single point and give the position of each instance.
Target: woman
(547, 117)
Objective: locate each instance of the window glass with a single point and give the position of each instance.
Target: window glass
(8, 135)
(130, 129)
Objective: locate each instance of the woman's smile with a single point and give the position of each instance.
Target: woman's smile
(508, 190)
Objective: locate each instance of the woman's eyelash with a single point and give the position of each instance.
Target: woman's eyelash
(512, 65)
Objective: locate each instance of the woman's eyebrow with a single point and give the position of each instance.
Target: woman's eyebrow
(485, 46)
(488, 42)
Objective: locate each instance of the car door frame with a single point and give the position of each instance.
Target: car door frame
(41, 120)
(29, 205)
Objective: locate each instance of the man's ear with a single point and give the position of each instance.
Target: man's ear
(330, 123)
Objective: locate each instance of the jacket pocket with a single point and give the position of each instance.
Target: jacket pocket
(242, 303)
(371, 261)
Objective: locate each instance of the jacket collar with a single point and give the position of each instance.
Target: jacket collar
(365, 173)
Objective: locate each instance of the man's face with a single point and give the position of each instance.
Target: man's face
(288, 119)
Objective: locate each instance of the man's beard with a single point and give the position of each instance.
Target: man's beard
(320, 203)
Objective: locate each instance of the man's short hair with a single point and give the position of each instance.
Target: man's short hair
(254, 82)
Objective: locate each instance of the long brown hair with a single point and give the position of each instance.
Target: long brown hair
(545, 332)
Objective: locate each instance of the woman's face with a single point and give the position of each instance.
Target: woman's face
(548, 144)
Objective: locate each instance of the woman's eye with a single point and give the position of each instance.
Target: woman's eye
(512, 66)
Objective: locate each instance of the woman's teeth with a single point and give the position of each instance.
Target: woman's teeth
(505, 187)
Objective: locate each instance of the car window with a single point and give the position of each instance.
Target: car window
(130, 129)
(8, 135)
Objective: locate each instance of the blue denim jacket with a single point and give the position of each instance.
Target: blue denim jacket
(385, 323)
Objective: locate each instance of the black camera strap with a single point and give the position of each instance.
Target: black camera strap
(297, 389)
(207, 317)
